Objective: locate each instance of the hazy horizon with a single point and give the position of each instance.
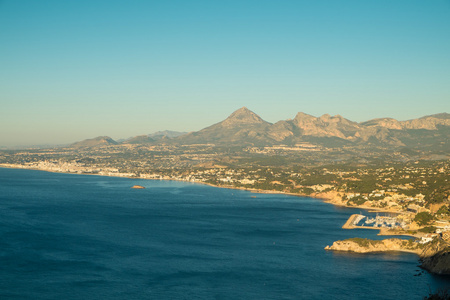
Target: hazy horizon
(77, 70)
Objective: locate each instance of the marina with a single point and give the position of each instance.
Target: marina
(378, 222)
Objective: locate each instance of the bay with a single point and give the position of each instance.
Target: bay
(66, 236)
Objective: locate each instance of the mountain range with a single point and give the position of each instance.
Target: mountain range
(245, 128)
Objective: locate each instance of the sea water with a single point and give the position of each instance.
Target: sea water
(66, 236)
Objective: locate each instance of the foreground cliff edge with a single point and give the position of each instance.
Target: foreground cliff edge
(434, 256)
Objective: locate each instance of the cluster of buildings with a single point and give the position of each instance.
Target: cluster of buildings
(402, 188)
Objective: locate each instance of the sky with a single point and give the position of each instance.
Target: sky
(71, 70)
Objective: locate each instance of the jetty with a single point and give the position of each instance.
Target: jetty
(353, 221)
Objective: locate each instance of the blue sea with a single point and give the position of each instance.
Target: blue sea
(66, 236)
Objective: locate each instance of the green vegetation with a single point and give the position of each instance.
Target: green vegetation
(444, 210)
(363, 242)
(364, 186)
(410, 243)
(359, 200)
(428, 229)
(423, 218)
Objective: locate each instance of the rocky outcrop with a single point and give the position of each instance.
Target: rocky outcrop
(435, 256)
(137, 187)
(438, 263)
(360, 245)
(325, 126)
(388, 123)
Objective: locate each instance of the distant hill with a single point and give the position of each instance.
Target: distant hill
(165, 134)
(444, 116)
(140, 139)
(95, 142)
(153, 137)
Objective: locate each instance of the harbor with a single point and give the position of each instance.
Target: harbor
(378, 222)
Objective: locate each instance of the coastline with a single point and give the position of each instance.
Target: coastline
(252, 190)
(328, 197)
(358, 245)
(331, 197)
(337, 202)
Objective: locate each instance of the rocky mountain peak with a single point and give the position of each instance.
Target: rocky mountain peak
(325, 117)
(389, 123)
(303, 116)
(243, 116)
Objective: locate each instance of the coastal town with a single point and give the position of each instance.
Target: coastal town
(412, 198)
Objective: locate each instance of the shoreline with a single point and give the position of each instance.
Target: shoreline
(328, 197)
(333, 198)
(417, 252)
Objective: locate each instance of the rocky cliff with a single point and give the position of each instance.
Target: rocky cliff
(435, 256)
(438, 263)
(360, 245)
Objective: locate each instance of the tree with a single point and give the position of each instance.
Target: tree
(444, 210)
(423, 218)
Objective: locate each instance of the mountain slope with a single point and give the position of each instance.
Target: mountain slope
(165, 134)
(140, 139)
(242, 127)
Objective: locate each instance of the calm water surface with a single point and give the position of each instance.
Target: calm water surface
(66, 236)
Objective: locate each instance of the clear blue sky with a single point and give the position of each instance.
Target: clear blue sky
(71, 70)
